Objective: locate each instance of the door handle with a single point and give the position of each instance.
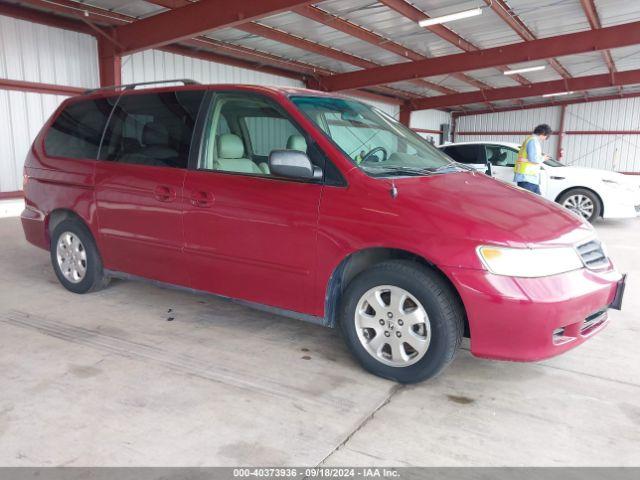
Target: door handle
(202, 199)
(164, 193)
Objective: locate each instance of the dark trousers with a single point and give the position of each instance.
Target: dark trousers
(532, 187)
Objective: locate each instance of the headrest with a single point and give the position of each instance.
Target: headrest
(297, 142)
(155, 134)
(230, 146)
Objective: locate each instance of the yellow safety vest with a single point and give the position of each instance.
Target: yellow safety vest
(523, 165)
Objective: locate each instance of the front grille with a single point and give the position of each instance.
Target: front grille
(592, 255)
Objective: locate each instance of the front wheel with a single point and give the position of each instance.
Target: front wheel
(582, 202)
(402, 321)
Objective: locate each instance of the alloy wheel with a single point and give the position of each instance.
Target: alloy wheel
(392, 326)
(580, 204)
(72, 257)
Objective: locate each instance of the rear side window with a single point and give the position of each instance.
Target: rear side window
(77, 131)
(152, 129)
(465, 153)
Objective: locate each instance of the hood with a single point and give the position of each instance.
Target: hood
(476, 207)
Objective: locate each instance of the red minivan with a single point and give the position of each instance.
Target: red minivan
(319, 207)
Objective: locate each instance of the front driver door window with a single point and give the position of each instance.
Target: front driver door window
(471, 155)
(249, 234)
(502, 159)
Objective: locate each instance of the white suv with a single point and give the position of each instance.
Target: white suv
(590, 192)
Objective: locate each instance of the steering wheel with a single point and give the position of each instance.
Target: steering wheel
(370, 157)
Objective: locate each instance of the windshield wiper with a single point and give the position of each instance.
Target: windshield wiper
(451, 165)
(400, 169)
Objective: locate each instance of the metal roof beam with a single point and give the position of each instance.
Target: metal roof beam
(577, 84)
(541, 49)
(37, 16)
(195, 19)
(503, 10)
(320, 16)
(414, 14)
(531, 106)
(591, 13)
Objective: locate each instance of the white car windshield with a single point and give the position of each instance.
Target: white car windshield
(374, 141)
(553, 163)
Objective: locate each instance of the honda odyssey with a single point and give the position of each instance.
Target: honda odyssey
(315, 206)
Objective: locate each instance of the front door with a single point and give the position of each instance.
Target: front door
(502, 160)
(249, 234)
(139, 184)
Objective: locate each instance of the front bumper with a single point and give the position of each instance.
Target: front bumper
(529, 319)
(621, 203)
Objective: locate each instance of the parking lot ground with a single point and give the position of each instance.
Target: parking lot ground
(141, 375)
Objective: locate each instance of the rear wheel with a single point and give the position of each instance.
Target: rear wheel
(75, 257)
(402, 321)
(583, 202)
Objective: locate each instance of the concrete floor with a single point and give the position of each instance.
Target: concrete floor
(107, 379)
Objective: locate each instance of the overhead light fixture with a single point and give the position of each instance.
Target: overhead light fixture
(525, 70)
(559, 94)
(427, 22)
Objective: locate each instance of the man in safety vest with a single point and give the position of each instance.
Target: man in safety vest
(527, 167)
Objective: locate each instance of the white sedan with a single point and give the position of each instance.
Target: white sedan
(589, 192)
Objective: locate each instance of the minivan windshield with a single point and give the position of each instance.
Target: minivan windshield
(374, 141)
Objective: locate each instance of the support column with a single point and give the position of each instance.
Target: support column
(560, 134)
(405, 115)
(110, 64)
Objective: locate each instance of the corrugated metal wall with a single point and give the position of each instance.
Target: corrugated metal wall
(153, 65)
(36, 53)
(430, 120)
(607, 151)
(611, 152)
(514, 121)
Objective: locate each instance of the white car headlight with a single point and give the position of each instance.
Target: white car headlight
(529, 262)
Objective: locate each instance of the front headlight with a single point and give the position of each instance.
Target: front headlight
(529, 262)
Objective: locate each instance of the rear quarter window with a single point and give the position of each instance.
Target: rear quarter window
(77, 131)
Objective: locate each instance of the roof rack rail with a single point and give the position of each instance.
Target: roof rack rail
(132, 86)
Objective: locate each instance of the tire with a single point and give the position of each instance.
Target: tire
(77, 238)
(582, 202)
(441, 332)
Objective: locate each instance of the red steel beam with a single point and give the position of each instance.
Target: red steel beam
(416, 15)
(337, 23)
(109, 64)
(535, 89)
(320, 16)
(309, 46)
(590, 11)
(561, 132)
(22, 86)
(257, 56)
(286, 38)
(503, 10)
(195, 19)
(531, 106)
(43, 18)
(569, 44)
(82, 10)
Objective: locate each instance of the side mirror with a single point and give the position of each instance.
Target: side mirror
(293, 164)
(488, 172)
